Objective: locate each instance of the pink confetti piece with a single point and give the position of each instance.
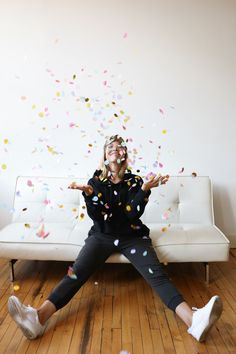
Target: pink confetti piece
(41, 232)
(182, 170)
(161, 111)
(125, 35)
(29, 183)
(46, 201)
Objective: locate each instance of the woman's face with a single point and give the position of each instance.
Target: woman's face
(114, 152)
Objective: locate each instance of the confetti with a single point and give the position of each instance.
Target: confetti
(71, 273)
(4, 166)
(29, 183)
(5, 141)
(164, 229)
(116, 242)
(182, 170)
(95, 198)
(165, 215)
(150, 270)
(133, 251)
(164, 131)
(16, 287)
(194, 174)
(27, 226)
(128, 207)
(81, 216)
(41, 232)
(144, 253)
(150, 176)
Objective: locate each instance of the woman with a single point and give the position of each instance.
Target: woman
(115, 201)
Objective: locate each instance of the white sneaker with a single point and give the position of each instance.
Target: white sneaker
(26, 318)
(205, 318)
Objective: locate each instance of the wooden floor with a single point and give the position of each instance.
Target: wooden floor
(116, 310)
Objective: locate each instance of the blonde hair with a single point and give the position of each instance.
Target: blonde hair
(123, 165)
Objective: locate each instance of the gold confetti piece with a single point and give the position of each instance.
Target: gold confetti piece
(33, 106)
(41, 114)
(27, 226)
(74, 210)
(194, 174)
(60, 206)
(81, 216)
(16, 287)
(99, 195)
(5, 141)
(4, 166)
(128, 207)
(164, 229)
(86, 99)
(58, 94)
(74, 77)
(126, 119)
(24, 209)
(164, 131)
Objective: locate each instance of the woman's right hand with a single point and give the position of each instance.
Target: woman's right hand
(86, 188)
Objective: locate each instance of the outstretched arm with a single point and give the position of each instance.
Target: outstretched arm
(95, 209)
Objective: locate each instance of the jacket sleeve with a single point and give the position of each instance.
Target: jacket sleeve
(94, 202)
(137, 200)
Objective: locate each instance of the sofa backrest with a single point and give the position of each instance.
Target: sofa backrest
(48, 199)
(183, 200)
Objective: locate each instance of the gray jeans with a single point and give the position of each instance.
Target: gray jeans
(98, 247)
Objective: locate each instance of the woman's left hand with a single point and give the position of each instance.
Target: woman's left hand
(155, 182)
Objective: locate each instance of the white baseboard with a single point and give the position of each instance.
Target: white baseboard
(232, 239)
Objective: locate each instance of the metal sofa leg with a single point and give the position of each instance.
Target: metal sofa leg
(207, 272)
(11, 264)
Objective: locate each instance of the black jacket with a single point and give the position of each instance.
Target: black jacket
(116, 208)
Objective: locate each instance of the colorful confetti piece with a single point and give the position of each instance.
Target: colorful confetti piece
(71, 273)
(116, 242)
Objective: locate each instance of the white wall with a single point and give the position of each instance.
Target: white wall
(166, 64)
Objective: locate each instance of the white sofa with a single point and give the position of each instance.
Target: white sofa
(179, 215)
